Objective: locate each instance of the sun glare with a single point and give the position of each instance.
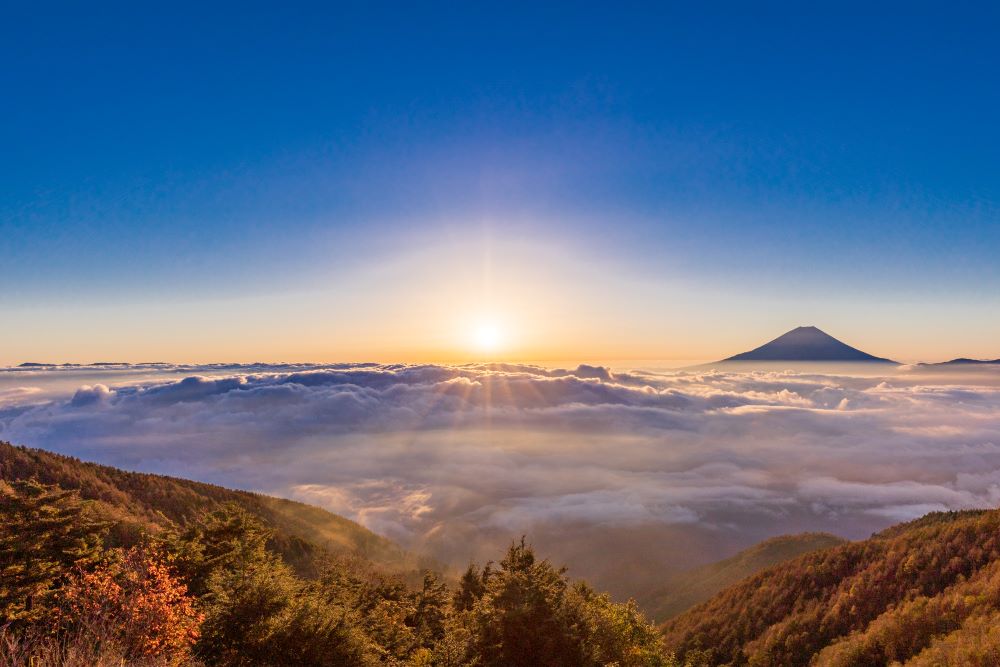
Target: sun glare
(487, 337)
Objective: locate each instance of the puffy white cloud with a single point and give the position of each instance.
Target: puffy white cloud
(679, 467)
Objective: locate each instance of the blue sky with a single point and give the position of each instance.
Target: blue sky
(774, 162)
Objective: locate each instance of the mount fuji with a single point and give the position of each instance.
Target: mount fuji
(807, 344)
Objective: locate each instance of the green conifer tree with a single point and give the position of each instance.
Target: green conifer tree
(45, 533)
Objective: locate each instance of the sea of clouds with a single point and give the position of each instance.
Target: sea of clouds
(624, 475)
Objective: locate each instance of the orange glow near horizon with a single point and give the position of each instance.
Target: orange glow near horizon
(471, 299)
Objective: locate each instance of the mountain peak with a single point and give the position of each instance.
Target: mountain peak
(806, 343)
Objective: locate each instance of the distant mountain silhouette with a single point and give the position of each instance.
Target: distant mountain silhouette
(962, 361)
(807, 344)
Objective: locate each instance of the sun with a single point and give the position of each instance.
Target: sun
(487, 336)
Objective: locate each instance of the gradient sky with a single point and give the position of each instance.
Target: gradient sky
(347, 181)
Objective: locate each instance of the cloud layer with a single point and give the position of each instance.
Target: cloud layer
(456, 459)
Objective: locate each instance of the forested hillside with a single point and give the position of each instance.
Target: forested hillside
(139, 503)
(685, 590)
(923, 593)
(100, 568)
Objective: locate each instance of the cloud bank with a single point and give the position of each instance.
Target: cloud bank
(668, 468)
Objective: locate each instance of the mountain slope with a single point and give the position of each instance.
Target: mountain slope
(806, 344)
(690, 588)
(215, 592)
(921, 593)
(144, 503)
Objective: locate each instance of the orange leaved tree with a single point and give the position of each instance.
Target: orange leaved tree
(134, 605)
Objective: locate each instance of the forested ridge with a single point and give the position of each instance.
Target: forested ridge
(101, 567)
(141, 503)
(923, 593)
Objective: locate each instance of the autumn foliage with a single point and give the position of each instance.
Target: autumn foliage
(226, 583)
(132, 600)
(923, 593)
(106, 580)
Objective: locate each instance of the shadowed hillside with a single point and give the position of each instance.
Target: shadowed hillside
(922, 593)
(687, 589)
